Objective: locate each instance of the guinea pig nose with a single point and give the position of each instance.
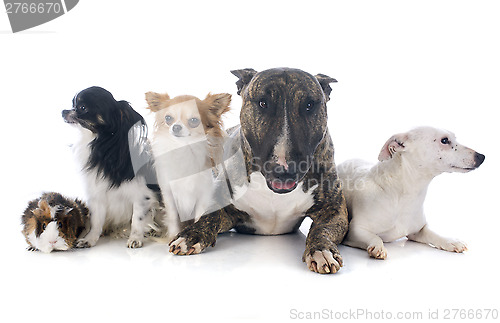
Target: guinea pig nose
(176, 128)
(479, 159)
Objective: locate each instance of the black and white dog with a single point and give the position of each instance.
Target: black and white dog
(111, 150)
(286, 170)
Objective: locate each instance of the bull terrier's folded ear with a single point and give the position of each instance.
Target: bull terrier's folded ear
(244, 76)
(395, 144)
(325, 81)
(155, 99)
(218, 103)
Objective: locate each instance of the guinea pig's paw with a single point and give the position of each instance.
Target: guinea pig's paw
(377, 251)
(324, 261)
(134, 243)
(453, 245)
(182, 247)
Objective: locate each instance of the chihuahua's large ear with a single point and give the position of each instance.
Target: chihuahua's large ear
(218, 103)
(244, 77)
(394, 145)
(325, 81)
(155, 99)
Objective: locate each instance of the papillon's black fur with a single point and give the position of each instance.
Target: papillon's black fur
(115, 124)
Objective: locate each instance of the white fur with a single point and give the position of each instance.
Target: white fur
(185, 179)
(272, 213)
(49, 239)
(386, 200)
(128, 206)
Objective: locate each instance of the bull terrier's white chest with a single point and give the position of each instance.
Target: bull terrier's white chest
(272, 213)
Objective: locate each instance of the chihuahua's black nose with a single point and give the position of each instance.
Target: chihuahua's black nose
(176, 128)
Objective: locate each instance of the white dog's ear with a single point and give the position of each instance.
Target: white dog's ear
(395, 144)
(155, 100)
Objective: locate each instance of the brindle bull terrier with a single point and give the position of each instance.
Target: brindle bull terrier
(286, 170)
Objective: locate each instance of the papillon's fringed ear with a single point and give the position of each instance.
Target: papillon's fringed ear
(394, 145)
(244, 77)
(325, 81)
(154, 100)
(218, 103)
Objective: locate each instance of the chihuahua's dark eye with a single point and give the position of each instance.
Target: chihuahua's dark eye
(445, 141)
(169, 120)
(263, 103)
(194, 122)
(82, 109)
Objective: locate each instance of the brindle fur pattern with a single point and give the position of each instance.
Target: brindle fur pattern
(329, 212)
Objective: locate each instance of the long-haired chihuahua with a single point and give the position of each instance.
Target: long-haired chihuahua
(112, 148)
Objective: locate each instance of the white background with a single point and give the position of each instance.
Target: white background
(399, 64)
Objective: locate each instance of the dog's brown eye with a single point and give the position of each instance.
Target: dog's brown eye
(194, 122)
(263, 104)
(445, 141)
(309, 106)
(169, 120)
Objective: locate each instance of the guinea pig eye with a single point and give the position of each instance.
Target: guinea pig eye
(59, 224)
(44, 226)
(169, 120)
(194, 122)
(263, 104)
(445, 141)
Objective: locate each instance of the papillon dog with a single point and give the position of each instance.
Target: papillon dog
(113, 155)
(187, 147)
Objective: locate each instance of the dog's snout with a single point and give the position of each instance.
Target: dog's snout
(176, 128)
(479, 159)
(283, 173)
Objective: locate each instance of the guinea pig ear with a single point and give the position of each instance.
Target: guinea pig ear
(155, 100)
(244, 77)
(67, 210)
(218, 103)
(394, 145)
(325, 81)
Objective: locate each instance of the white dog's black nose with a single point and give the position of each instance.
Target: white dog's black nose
(176, 128)
(479, 159)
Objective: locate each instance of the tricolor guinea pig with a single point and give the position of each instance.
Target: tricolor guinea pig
(54, 222)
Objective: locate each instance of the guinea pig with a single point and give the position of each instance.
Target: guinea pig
(54, 222)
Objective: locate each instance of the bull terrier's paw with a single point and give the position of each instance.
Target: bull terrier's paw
(133, 243)
(377, 251)
(191, 243)
(453, 245)
(324, 261)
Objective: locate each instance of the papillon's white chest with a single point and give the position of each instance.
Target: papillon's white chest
(272, 213)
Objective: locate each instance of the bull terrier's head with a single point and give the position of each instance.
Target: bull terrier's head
(283, 120)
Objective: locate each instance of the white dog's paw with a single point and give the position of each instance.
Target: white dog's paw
(323, 262)
(452, 245)
(377, 251)
(134, 243)
(180, 247)
(86, 243)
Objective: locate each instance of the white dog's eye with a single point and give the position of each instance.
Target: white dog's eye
(169, 120)
(445, 141)
(194, 122)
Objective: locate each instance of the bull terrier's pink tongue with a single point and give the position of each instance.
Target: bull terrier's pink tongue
(279, 185)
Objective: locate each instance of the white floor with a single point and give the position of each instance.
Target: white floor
(245, 277)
